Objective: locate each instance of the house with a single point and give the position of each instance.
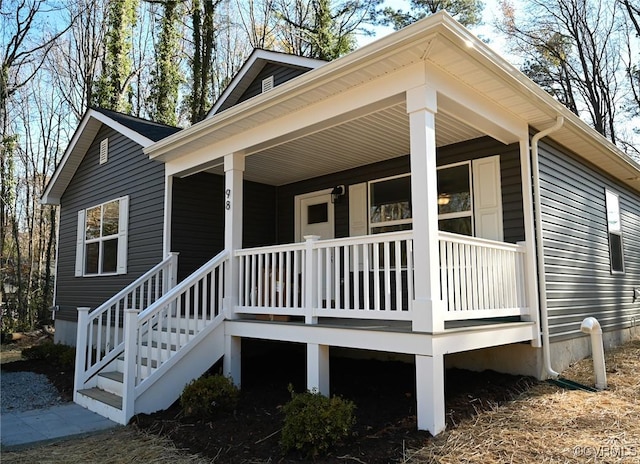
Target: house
(418, 197)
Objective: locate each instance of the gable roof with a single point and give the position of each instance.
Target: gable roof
(258, 59)
(449, 53)
(141, 131)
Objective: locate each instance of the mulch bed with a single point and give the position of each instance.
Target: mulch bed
(384, 393)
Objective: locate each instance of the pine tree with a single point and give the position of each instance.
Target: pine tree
(467, 12)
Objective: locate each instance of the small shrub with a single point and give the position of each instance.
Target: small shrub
(205, 396)
(63, 356)
(313, 423)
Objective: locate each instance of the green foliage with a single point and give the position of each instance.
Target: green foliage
(63, 356)
(467, 12)
(313, 423)
(112, 88)
(203, 36)
(203, 397)
(166, 78)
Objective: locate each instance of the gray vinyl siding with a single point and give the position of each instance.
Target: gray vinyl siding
(576, 246)
(197, 224)
(127, 172)
(280, 73)
(513, 217)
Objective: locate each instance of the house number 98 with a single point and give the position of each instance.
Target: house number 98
(227, 203)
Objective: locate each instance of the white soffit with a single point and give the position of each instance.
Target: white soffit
(375, 137)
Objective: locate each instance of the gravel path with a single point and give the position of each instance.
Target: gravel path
(24, 391)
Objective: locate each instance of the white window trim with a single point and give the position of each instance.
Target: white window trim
(123, 220)
(608, 197)
(472, 213)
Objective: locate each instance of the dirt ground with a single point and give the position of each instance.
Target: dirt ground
(490, 417)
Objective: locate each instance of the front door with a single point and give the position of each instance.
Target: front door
(315, 215)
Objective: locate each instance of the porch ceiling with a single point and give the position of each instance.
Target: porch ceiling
(368, 139)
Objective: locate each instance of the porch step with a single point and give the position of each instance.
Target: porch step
(170, 336)
(115, 376)
(105, 397)
(163, 346)
(143, 362)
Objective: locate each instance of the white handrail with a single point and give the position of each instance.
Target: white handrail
(479, 278)
(159, 334)
(99, 331)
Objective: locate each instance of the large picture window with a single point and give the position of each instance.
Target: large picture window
(102, 239)
(390, 204)
(614, 229)
(469, 200)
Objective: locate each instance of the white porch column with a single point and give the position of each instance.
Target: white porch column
(430, 393)
(428, 308)
(530, 262)
(231, 364)
(318, 368)
(168, 209)
(234, 172)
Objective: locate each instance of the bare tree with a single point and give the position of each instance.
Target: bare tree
(24, 50)
(258, 21)
(572, 48)
(74, 62)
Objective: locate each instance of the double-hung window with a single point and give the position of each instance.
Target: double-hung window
(101, 247)
(614, 229)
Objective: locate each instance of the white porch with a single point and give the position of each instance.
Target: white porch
(359, 292)
(420, 292)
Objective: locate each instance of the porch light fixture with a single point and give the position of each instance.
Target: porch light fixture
(337, 193)
(444, 199)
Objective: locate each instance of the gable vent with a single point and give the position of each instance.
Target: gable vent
(104, 151)
(267, 84)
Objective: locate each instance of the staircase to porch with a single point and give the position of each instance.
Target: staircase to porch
(148, 341)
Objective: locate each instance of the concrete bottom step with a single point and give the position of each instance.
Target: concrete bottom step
(98, 394)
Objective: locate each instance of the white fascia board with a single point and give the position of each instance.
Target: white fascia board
(387, 46)
(510, 75)
(49, 197)
(73, 155)
(476, 110)
(440, 24)
(124, 130)
(366, 98)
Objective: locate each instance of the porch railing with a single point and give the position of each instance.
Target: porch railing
(358, 277)
(372, 277)
(99, 337)
(481, 278)
(157, 336)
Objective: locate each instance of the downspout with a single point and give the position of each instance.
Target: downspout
(542, 281)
